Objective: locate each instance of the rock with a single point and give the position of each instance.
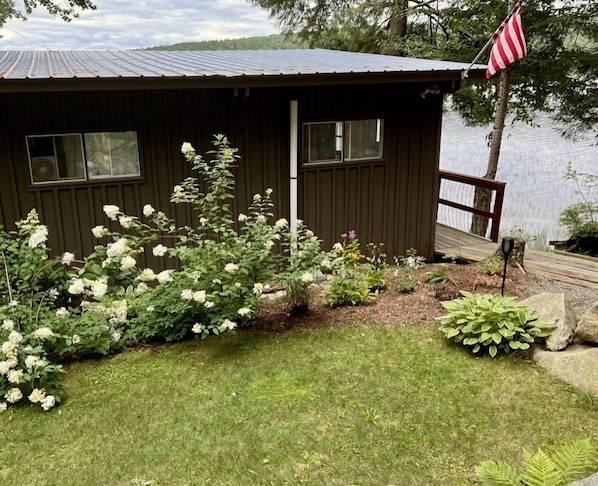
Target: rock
(591, 481)
(587, 327)
(576, 365)
(555, 309)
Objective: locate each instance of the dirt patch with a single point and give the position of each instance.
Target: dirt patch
(391, 306)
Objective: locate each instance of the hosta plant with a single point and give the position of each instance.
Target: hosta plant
(491, 324)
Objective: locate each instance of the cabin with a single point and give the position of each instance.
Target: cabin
(347, 141)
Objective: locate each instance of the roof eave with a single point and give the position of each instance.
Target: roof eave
(195, 82)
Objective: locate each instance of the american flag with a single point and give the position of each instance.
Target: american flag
(509, 44)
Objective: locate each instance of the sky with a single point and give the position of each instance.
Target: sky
(131, 24)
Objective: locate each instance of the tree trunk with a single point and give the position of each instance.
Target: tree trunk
(397, 28)
(482, 197)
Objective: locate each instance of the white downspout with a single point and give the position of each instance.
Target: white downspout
(294, 150)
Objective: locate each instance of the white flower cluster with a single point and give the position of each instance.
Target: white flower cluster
(187, 149)
(111, 211)
(38, 237)
(84, 286)
(99, 231)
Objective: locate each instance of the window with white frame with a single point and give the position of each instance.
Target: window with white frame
(338, 141)
(82, 156)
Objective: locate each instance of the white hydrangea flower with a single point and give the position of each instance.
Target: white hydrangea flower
(67, 258)
(257, 197)
(7, 365)
(62, 312)
(261, 219)
(199, 296)
(76, 339)
(15, 376)
(13, 395)
(99, 289)
(231, 267)
(117, 248)
(281, 223)
(127, 262)
(43, 333)
(309, 233)
(337, 247)
(141, 288)
(147, 275)
(187, 148)
(53, 293)
(116, 336)
(148, 210)
(228, 324)
(9, 349)
(269, 191)
(125, 221)
(299, 223)
(187, 294)
(32, 362)
(13, 303)
(203, 221)
(198, 328)
(244, 311)
(37, 395)
(48, 402)
(77, 287)
(208, 304)
(38, 237)
(3, 406)
(164, 276)
(99, 231)
(258, 289)
(111, 211)
(307, 277)
(15, 337)
(177, 189)
(150, 308)
(326, 264)
(268, 244)
(8, 324)
(242, 217)
(159, 250)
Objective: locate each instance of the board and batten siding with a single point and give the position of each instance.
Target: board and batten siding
(392, 200)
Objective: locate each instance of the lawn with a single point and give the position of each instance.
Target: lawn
(363, 405)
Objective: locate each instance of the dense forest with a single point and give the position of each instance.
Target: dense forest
(274, 41)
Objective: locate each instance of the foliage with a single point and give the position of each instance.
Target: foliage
(406, 271)
(493, 266)
(573, 461)
(491, 324)
(274, 41)
(347, 291)
(581, 219)
(66, 10)
(376, 260)
(438, 275)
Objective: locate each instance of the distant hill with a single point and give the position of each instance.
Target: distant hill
(274, 41)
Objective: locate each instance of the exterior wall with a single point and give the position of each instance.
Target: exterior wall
(392, 201)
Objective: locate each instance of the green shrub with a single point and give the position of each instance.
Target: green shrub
(491, 324)
(438, 275)
(494, 266)
(347, 291)
(568, 463)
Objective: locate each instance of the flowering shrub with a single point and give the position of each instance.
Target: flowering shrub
(406, 271)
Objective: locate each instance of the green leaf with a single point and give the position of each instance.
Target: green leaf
(498, 474)
(492, 350)
(496, 337)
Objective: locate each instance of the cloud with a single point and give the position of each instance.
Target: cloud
(118, 24)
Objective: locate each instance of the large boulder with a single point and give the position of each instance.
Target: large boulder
(555, 309)
(587, 327)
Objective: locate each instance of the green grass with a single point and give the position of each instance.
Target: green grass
(360, 405)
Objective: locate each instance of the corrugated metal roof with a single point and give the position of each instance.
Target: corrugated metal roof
(21, 65)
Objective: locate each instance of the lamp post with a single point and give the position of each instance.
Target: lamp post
(506, 246)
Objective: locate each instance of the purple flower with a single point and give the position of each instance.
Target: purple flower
(344, 235)
(352, 234)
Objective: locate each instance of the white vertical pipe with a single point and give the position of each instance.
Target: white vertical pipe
(294, 150)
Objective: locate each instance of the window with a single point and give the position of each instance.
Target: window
(337, 141)
(82, 156)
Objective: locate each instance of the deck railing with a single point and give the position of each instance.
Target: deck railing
(498, 194)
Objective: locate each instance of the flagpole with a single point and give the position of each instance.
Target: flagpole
(465, 73)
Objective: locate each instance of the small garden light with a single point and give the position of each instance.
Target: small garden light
(506, 246)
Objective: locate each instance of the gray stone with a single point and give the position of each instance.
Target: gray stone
(576, 365)
(555, 309)
(591, 481)
(587, 327)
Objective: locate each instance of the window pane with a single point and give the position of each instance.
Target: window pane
(55, 157)
(322, 142)
(363, 139)
(112, 154)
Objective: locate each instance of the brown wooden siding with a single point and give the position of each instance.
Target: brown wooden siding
(392, 200)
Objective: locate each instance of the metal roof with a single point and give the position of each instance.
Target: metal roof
(63, 65)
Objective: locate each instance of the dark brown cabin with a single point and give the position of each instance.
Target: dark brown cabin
(348, 141)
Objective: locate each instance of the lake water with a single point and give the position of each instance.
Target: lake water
(533, 162)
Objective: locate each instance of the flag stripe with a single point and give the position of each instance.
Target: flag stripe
(509, 44)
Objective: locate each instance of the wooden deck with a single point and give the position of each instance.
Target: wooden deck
(574, 269)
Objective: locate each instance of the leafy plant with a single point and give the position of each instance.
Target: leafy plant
(491, 324)
(347, 291)
(438, 275)
(568, 463)
(493, 266)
